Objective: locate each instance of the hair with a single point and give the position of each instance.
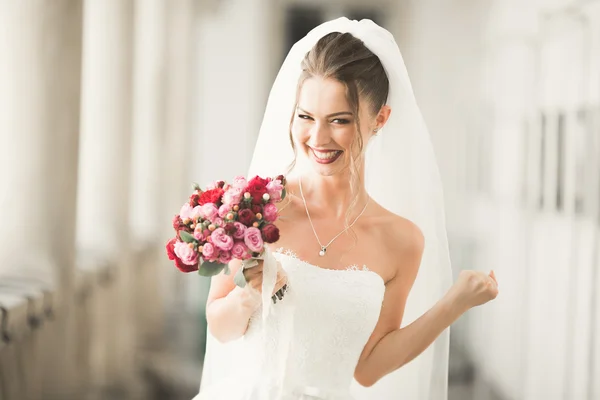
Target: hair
(345, 58)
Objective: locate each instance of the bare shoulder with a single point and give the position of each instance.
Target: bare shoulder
(403, 243)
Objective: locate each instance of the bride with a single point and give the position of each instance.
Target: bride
(360, 278)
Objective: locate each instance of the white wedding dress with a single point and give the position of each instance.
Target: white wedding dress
(314, 337)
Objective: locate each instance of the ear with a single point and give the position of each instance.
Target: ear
(382, 116)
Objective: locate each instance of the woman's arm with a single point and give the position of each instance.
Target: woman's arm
(229, 307)
(389, 347)
(401, 346)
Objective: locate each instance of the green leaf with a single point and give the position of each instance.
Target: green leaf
(239, 278)
(283, 193)
(186, 237)
(209, 268)
(195, 186)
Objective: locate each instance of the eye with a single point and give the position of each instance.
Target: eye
(341, 121)
(304, 116)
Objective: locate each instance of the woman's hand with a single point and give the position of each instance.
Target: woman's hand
(254, 277)
(474, 288)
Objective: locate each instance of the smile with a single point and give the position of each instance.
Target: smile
(326, 157)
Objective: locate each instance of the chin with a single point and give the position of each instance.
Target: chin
(335, 168)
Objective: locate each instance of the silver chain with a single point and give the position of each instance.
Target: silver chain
(324, 247)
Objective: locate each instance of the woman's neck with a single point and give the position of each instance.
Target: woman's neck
(331, 196)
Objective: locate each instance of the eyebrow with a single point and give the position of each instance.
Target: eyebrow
(337, 114)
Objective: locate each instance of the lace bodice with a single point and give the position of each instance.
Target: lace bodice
(329, 316)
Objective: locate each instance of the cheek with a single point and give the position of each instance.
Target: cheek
(345, 136)
(300, 132)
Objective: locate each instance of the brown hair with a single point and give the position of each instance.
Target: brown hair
(345, 58)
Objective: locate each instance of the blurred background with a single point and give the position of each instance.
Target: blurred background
(109, 109)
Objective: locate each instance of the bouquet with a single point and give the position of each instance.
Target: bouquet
(224, 222)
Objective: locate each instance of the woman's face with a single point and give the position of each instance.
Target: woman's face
(324, 126)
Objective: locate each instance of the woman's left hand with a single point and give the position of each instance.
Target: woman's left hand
(474, 288)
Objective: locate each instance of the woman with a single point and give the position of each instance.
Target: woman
(362, 228)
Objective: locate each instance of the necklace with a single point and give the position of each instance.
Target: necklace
(324, 247)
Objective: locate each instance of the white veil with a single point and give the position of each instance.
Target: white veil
(402, 175)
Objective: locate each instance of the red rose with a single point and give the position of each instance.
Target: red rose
(257, 187)
(171, 249)
(184, 267)
(178, 225)
(270, 233)
(258, 181)
(178, 263)
(230, 228)
(257, 209)
(246, 217)
(194, 199)
(257, 193)
(211, 196)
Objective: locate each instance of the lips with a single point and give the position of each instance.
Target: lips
(325, 156)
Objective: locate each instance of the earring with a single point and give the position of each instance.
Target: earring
(376, 130)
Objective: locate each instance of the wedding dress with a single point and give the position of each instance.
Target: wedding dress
(334, 313)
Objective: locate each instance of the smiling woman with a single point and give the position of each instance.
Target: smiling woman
(337, 333)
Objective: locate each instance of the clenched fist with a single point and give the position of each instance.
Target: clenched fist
(474, 288)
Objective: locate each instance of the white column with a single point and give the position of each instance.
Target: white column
(104, 174)
(150, 79)
(148, 178)
(594, 98)
(40, 43)
(178, 149)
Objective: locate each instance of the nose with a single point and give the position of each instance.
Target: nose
(319, 135)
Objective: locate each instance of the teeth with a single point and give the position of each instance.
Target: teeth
(325, 156)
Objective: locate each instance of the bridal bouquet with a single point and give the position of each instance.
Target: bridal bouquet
(226, 221)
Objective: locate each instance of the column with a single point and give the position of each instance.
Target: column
(39, 124)
(148, 178)
(104, 178)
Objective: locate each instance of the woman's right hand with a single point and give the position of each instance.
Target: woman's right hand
(254, 277)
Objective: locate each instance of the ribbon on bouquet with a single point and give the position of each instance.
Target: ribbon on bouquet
(278, 364)
(269, 278)
(268, 282)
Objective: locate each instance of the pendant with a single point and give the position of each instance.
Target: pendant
(322, 252)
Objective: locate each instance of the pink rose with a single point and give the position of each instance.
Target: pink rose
(199, 233)
(239, 182)
(253, 240)
(240, 230)
(186, 212)
(274, 189)
(209, 211)
(218, 221)
(225, 257)
(186, 254)
(233, 196)
(240, 251)
(208, 251)
(224, 210)
(196, 213)
(270, 212)
(221, 239)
